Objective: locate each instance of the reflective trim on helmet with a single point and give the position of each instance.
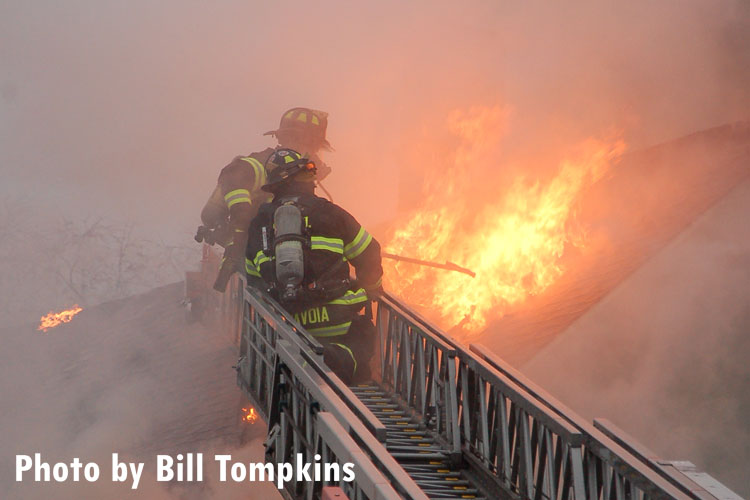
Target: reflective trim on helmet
(250, 268)
(346, 348)
(302, 117)
(330, 331)
(358, 244)
(260, 172)
(237, 196)
(334, 245)
(351, 298)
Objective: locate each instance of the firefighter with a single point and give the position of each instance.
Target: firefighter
(237, 196)
(304, 130)
(299, 250)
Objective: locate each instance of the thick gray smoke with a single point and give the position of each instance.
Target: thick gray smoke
(127, 377)
(664, 356)
(127, 111)
(130, 110)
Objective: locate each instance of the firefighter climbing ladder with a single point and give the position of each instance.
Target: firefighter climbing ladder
(444, 422)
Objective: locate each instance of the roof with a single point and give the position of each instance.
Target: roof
(651, 197)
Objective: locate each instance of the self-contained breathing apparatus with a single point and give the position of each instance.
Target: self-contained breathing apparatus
(287, 241)
(290, 258)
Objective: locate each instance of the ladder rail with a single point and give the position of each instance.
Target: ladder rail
(282, 372)
(486, 414)
(532, 449)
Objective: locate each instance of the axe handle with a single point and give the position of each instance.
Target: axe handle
(450, 266)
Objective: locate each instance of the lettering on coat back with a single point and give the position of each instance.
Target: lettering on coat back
(312, 316)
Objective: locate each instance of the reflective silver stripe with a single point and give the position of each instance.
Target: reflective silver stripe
(358, 244)
(331, 244)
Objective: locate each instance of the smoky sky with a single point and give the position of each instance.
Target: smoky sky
(131, 108)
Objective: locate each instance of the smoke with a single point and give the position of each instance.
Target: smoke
(127, 377)
(104, 103)
(128, 110)
(664, 356)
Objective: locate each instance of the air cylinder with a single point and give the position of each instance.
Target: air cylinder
(290, 266)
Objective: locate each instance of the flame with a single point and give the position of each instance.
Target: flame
(53, 319)
(511, 232)
(249, 415)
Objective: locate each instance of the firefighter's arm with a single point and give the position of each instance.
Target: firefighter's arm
(363, 251)
(214, 217)
(214, 211)
(234, 185)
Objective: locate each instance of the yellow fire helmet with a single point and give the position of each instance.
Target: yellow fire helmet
(310, 122)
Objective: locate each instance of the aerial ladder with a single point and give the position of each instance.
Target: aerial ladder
(442, 421)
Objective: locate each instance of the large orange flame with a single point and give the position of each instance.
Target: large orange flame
(513, 239)
(53, 319)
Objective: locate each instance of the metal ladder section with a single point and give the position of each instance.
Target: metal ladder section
(530, 444)
(494, 432)
(416, 449)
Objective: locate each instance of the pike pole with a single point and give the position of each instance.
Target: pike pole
(450, 266)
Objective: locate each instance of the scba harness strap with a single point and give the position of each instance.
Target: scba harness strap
(302, 295)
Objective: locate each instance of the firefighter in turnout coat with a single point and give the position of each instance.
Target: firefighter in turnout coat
(237, 196)
(300, 247)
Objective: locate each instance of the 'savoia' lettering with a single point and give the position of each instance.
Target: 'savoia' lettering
(312, 316)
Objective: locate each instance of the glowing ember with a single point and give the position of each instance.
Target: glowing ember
(512, 235)
(249, 415)
(53, 319)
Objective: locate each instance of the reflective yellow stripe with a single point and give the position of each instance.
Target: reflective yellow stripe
(350, 354)
(236, 192)
(335, 245)
(237, 196)
(260, 172)
(350, 297)
(330, 331)
(358, 244)
(250, 268)
(260, 258)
